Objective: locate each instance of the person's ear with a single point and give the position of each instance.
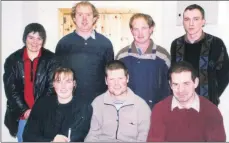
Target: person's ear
(151, 29)
(127, 78)
(106, 80)
(204, 22)
(196, 82)
(74, 84)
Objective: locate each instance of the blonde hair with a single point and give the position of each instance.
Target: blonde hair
(147, 18)
(85, 3)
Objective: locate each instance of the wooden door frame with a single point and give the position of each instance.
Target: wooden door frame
(63, 11)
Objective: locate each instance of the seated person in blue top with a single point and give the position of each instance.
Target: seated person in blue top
(60, 117)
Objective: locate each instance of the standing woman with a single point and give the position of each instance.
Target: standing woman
(27, 76)
(59, 118)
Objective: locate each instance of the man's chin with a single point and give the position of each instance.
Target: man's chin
(141, 41)
(85, 28)
(63, 94)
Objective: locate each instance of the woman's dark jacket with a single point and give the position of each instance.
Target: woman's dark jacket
(47, 119)
(13, 80)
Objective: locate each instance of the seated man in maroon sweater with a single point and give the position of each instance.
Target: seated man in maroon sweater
(185, 116)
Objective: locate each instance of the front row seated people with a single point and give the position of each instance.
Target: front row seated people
(120, 115)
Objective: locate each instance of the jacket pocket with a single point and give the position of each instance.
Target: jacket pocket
(11, 122)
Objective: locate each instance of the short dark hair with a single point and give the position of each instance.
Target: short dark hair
(34, 27)
(181, 67)
(195, 6)
(115, 65)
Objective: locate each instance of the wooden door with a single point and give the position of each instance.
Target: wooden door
(112, 23)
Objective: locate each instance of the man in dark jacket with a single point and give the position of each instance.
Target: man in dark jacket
(86, 52)
(27, 76)
(205, 52)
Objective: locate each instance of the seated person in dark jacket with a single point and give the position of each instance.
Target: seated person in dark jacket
(55, 118)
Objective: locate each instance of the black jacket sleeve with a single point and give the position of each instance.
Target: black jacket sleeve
(173, 52)
(222, 67)
(53, 65)
(80, 130)
(14, 92)
(33, 128)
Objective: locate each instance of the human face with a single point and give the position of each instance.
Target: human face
(183, 87)
(116, 81)
(64, 85)
(84, 18)
(34, 42)
(193, 22)
(141, 31)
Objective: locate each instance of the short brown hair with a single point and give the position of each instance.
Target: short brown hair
(182, 66)
(198, 7)
(115, 65)
(85, 3)
(63, 70)
(147, 18)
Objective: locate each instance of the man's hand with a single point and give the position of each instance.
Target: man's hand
(60, 138)
(27, 113)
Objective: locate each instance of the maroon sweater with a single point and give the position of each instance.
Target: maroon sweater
(186, 125)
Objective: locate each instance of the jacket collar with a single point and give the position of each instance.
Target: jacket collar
(148, 50)
(20, 53)
(201, 37)
(26, 56)
(129, 100)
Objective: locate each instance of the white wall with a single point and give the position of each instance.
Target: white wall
(171, 31)
(48, 15)
(16, 15)
(11, 40)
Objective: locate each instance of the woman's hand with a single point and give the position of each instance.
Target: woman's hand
(27, 113)
(60, 138)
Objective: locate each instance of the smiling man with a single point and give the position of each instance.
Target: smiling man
(207, 54)
(118, 114)
(86, 52)
(146, 61)
(185, 116)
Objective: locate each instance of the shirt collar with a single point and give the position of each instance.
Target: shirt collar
(108, 99)
(195, 104)
(134, 48)
(26, 56)
(92, 35)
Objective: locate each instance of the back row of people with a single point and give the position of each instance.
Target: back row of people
(29, 71)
